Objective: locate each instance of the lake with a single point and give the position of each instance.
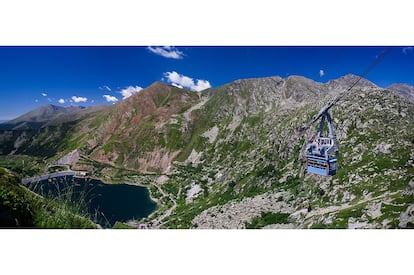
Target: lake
(105, 203)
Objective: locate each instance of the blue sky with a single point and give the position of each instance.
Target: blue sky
(34, 76)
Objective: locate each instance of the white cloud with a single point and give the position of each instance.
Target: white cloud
(110, 98)
(202, 85)
(77, 99)
(130, 90)
(36, 100)
(180, 80)
(61, 101)
(44, 94)
(321, 73)
(167, 52)
(105, 87)
(406, 50)
(176, 85)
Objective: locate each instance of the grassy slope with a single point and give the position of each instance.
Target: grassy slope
(22, 208)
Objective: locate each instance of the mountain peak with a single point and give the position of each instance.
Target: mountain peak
(346, 81)
(299, 78)
(158, 84)
(163, 85)
(40, 116)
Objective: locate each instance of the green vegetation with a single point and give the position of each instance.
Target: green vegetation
(267, 171)
(23, 165)
(47, 141)
(254, 120)
(318, 226)
(27, 209)
(174, 140)
(120, 225)
(69, 144)
(185, 213)
(98, 121)
(64, 215)
(268, 218)
(194, 140)
(14, 202)
(342, 217)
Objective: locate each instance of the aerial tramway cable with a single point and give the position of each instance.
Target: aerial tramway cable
(322, 153)
(340, 96)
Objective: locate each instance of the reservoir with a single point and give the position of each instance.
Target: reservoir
(104, 203)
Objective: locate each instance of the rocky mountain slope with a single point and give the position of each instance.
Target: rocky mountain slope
(231, 157)
(141, 132)
(253, 164)
(404, 90)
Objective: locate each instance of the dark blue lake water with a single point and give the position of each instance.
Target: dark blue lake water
(105, 203)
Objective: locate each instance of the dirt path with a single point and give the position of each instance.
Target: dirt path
(330, 209)
(169, 211)
(157, 223)
(187, 114)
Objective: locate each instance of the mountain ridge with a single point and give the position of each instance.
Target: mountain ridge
(230, 157)
(404, 90)
(44, 115)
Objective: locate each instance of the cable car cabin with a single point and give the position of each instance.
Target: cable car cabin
(322, 153)
(321, 157)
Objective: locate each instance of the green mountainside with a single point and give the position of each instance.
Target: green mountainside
(232, 157)
(21, 208)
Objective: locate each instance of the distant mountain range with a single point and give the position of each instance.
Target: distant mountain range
(403, 90)
(47, 115)
(53, 115)
(231, 156)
